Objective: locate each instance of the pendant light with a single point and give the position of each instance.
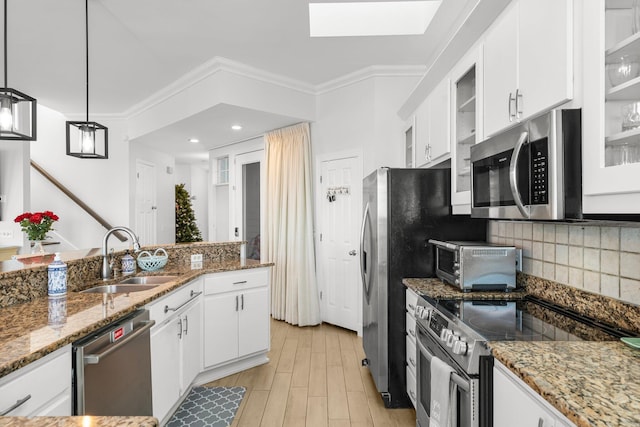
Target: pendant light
(17, 110)
(87, 140)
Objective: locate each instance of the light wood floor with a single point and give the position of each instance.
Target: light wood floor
(314, 378)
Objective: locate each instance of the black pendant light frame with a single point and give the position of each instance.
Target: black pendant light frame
(19, 100)
(78, 127)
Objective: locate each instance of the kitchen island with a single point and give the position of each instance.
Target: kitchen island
(592, 383)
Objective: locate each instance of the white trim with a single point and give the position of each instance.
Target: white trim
(218, 64)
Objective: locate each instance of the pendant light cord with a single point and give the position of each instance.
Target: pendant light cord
(86, 33)
(5, 44)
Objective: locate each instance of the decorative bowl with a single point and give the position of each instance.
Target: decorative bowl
(149, 262)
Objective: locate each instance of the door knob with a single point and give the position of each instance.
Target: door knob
(352, 252)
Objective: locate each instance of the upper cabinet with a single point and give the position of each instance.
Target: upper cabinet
(432, 131)
(528, 62)
(611, 112)
(410, 142)
(466, 123)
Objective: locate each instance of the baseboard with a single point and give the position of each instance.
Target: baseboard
(221, 371)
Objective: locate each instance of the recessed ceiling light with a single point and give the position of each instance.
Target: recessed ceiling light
(384, 18)
(236, 127)
(194, 140)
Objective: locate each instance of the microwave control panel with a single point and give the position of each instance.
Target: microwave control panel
(539, 172)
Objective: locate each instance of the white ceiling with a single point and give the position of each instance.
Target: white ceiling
(138, 47)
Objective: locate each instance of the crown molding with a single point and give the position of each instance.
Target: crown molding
(210, 68)
(371, 72)
(218, 64)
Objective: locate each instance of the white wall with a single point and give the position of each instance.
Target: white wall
(196, 180)
(14, 189)
(363, 116)
(165, 190)
(102, 184)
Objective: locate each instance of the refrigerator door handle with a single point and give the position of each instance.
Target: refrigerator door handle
(363, 254)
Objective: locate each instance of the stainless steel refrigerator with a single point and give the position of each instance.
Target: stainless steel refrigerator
(403, 209)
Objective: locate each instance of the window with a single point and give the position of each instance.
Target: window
(223, 171)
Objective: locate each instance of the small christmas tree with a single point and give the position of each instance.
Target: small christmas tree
(186, 228)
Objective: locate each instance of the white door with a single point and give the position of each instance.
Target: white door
(339, 215)
(248, 203)
(146, 208)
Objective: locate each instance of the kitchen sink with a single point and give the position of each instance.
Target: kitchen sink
(118, 288)
(147, 280)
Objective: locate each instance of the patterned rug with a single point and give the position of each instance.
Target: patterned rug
(208, 406)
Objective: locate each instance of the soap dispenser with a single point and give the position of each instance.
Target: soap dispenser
(57, 272)
(128, 264)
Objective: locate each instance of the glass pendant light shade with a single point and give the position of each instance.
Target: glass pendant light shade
(17, 110)
(87, 140)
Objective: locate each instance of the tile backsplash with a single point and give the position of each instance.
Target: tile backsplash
(600, 258)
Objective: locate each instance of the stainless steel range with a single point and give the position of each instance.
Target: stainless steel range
(457, 331)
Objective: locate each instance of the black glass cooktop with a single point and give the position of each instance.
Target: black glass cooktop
(526, 320)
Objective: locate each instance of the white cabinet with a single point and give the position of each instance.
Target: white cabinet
(411, 352)
(466, 126)
(516, 404)
(236, 315)
(410, 142)
(611, 147)
(528, 67)
(40, 388)
(176, 340)
(432, 133)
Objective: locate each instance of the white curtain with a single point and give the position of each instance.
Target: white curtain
(289, 226)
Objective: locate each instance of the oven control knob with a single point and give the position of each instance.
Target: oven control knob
(460, 347)
(424, 313)
(457, 281)
(444, 334)
(451, 338)
(456, 273)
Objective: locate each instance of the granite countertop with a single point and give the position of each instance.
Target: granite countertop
(34, 329)
(593, 383)
(83, 421)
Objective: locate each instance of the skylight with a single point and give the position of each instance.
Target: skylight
(383, 18)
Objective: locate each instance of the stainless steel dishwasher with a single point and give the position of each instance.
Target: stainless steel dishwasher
(112, 369)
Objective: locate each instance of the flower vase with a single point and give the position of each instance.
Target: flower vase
(37, 248)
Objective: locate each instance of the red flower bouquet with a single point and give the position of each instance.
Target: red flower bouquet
(37, 224)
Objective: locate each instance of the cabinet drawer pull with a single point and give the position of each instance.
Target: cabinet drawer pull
(412, 332)
(413, 394)
(16, 405)
(412, 307)
(240, 283)
(413, 362)
(193, 296)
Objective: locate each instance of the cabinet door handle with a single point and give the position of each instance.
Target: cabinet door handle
(236, 302)
(412, 332)
(242, 302)
(16, 405)
(511, 100)
(186, 325)
(179, 329)
(413, 362)
(413, 394)
(540, 422)
(518, 100)
(412, 307)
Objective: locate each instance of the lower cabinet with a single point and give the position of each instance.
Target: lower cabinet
(42, 388)
(176, 348)
(411, 358)
(516, 404)
(236, 315)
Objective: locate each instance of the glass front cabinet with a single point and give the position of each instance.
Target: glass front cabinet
(465, 131)
(611, 112)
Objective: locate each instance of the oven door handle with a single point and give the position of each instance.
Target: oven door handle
(460, 382)
(513, 168)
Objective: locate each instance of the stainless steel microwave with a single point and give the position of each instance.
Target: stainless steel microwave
(476, 266)
(531, 171)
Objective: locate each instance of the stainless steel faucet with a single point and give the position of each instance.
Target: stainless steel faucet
(106, 265)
